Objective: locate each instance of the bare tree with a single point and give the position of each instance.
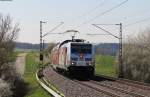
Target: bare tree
(12, 83)
(8, 34)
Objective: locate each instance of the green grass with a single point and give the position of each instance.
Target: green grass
(14, 56)
(35, 90)
(106, 65)
(25, 50)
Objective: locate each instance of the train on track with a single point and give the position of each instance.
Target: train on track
(74, 56)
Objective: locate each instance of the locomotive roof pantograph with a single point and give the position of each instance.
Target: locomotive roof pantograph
(74, 40)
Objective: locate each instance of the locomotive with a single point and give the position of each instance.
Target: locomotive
(75, 56)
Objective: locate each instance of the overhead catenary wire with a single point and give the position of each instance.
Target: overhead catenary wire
(135, 14)
(136, 22)
(92, 10)
(53, 29)
(106, 31)
(103, 13)
(97, 34)
(104, 24)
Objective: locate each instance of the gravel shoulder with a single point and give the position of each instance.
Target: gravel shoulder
(20, 63)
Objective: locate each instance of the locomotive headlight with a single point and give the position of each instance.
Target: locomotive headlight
(73, 63)
(89, 63)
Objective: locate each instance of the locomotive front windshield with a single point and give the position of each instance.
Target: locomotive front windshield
(81, 48)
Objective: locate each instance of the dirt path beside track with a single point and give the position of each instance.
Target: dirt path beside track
(20, 63)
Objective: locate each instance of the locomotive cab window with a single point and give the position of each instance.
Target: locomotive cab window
(81, 48)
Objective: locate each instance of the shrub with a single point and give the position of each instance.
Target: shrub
(17, 85)
(5, 90)
(136, 56)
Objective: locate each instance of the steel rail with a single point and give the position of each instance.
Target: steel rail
(98, 89)
(118, 89)
(136, 84)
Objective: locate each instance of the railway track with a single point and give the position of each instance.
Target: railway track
(136, 84)
(118, 89)
(109, 90)
(97, 86)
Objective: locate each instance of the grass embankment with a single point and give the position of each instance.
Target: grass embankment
(106, 65)
(31, 67)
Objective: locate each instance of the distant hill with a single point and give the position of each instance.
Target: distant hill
(100, 49)
(20, 45)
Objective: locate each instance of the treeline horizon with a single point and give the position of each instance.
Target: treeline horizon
(100, 48)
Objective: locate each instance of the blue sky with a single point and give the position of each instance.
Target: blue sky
(74, 13)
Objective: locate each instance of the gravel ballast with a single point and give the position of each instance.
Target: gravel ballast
(68, 87)
(73, 88)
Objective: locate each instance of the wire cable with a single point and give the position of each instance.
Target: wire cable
(109, 10)
(143, 20)
(136, 14)
(92, 10)
(106, 31)
(53, 29)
